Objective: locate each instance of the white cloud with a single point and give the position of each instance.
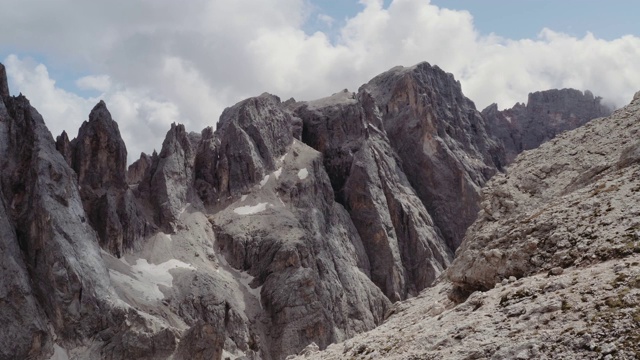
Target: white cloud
(327, 20)
(94, 82)
(162, 61)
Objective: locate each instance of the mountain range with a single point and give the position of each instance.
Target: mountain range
(295, 225)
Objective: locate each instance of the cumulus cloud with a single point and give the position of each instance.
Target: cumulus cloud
(155, 62)
(94, 82)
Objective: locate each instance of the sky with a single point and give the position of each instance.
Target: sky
(155, 62)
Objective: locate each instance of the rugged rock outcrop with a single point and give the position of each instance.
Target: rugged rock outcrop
(58, 246)
(137, 171)
(571, 202)
(169, 182)
(288, 233)
(405, 250)
(555, 255)
(24, 331)
(4, 84)
(443, 142)
(292, 226)
(99, 157)
(546, 114)
(243, 152)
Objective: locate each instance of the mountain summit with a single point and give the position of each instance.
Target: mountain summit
(294, 223)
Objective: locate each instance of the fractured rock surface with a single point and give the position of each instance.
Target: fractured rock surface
(546, 114)
(99, 157)
(443, 141)
(290, 227)
(405, 250)
(549, 270)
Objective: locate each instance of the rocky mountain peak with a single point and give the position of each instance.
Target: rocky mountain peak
(4, 84)
(100, 155)
(546, 114)
(295, 223)
(444, 143)
(63, 144)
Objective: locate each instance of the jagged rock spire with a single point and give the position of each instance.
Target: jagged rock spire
(4, 84)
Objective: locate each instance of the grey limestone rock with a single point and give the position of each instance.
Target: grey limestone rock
(203, 341)
(59, 247)
(444, 144)
(546, 114)
(299, 244)
(243, 149)
(169, 182)
(405, 250)
(99, 158)
(63, 144)
(137, 171)
(4, 85)
(566, 203)
(24, 331)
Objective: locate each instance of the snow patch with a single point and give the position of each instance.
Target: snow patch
(277, 173)
(59, 353)
(248, 210)
(246, 279)
(303, 173)
(264, 181)
(147, 277)
(184, 208)
(243, 198)
(508, 118)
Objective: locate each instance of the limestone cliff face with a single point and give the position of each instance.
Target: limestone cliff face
(546, 114)
(137, 170)
(292, 223)
(99, 157)
(289, 234)
(24, 333)
(404, 248)
(566, 204)
(58, 248)
(241, 152)
(169, 180)
(4, 85)
(442, 140)
(549, 270)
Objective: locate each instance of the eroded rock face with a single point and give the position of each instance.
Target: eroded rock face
(547, 114)
(549, 269)
(570, 202)
(299, 244)
(243, 149)
(99, 158)
(169, 182)
(404, 249)
(4, 85)
(59, 247)
(256, 243)
(137, 171)
(24, 331)
(443, 142)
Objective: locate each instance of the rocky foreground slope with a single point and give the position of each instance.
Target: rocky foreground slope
(550, 270)
(292, 223)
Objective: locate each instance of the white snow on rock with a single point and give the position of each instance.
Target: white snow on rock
(246, 279)
(248, 210)
(303, 173)
(264, 181)
(243, 198)
(147, 277)
(59, 353)
(277, 173)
